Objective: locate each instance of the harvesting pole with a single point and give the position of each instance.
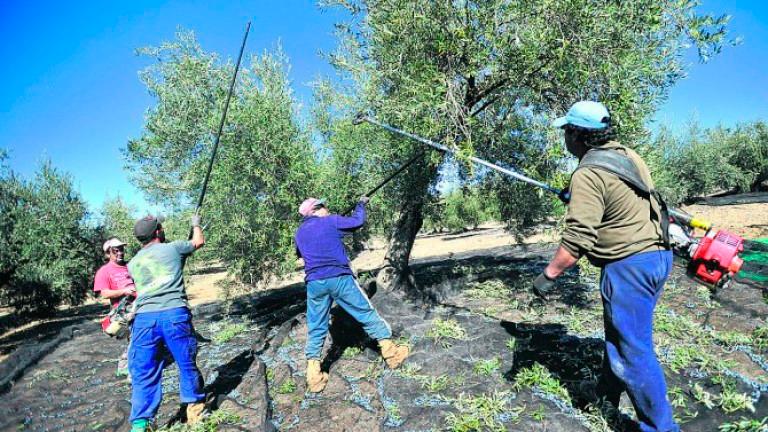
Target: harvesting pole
(364, 118)
(221, 124)
(381, 184)
(679, 216)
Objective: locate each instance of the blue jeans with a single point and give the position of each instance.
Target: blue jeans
(150, 331)
(630, 289)
(345, 291)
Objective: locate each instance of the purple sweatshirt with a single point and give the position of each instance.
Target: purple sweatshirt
(318, 241)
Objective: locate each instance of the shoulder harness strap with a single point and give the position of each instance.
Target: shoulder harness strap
(624, 168)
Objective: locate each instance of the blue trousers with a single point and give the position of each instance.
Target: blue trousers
(630, 289)
(150, 331)
(345, 291)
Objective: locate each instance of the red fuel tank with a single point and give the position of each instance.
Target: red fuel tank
(717, 256)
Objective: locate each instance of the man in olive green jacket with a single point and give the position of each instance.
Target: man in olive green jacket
(617, 226)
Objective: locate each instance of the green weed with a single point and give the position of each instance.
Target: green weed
(577, 321)
(229, 332)
(538, 415)
(731, 338)
(459, 379)
(209, 424)
(287, 386)
(409, 370)
(434, 384)
(683, 357)
(442, 330)
(677, 398)
(373, 371)
(287, 342)
(745, 425)
(403, 340)
(686, 416)
(702, 396)
(479, 413)
(725, 382)
(393, 412)
(54, 374)
(511, 344)
(588, 273)
(731, 401)
(760, 337)
(487, 367)
(596, 419)
(538, 376)
(351, 352)
(489, 289)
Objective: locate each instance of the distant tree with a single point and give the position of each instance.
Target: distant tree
(487, 76)
(52, 250)
(9, 205)
(117, 220)
(463, 208)
(708, 161)
(265, 165)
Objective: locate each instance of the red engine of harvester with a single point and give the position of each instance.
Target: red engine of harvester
(716, 257)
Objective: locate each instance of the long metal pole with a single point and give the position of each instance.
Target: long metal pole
(493, 166)
(410, 162)
(221, 123)
(681, 217)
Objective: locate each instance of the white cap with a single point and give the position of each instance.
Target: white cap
(113, 242)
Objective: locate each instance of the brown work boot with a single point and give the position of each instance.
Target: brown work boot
(393, 354)
(316, 380)
(195, 412)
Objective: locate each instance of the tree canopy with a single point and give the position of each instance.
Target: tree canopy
(265, 164)
(483, 76)
(48, 251)
(488, 76)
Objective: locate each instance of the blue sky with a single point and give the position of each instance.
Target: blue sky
(70, 90)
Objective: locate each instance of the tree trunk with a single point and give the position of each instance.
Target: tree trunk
(761, 183)
(396, 274)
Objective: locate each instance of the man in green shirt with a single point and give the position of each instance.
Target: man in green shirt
(162, 319)
(618, 227)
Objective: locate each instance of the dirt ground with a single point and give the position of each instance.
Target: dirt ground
(747, 220)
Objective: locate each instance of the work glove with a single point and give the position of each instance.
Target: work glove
(543, 286)
(195, 220)
(565, 195)
(364, 199)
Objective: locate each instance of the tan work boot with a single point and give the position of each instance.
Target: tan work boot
(195, 412)
(393, 354)
(316, 380)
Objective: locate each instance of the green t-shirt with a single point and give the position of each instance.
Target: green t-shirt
(157, 271)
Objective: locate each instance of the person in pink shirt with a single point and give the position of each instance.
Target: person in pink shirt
(113, 282)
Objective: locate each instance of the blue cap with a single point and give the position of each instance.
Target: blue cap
(586, 114)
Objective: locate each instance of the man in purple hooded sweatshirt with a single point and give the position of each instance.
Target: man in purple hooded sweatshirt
(329, 278)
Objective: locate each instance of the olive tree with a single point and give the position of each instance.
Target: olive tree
(487, 76)
(265, 163)
(117, 220)
(50, 251)
(708, 161)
